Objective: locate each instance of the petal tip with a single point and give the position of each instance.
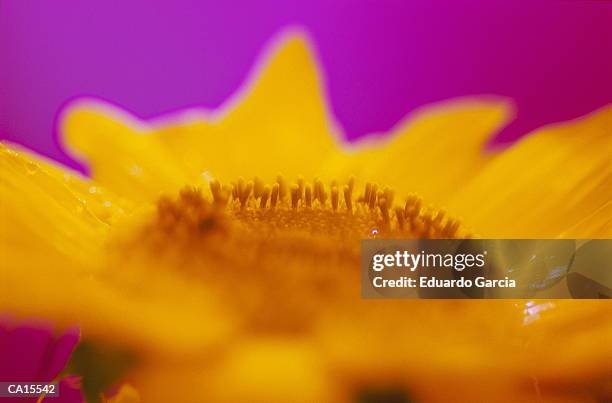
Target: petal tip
(83, 120)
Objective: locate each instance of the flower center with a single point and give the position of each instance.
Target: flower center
(332, 211)
(279, 252)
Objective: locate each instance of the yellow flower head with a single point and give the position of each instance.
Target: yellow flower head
(222, 248)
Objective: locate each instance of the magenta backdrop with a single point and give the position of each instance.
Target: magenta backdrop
(381, 59)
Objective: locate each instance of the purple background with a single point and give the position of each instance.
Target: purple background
(381, 59)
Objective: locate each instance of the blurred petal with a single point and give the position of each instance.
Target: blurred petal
(69, 391)
(281, 123)
(23, 351)
(275, 370)
(435, 152)
(31, 352)
(119, 153)
(53, 255)
(595, 225)
(126, 394)
(567, 347)
(59, 353)
(555, 181)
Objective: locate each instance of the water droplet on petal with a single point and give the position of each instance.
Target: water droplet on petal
(31, 168)
(206, 176)
(135, 170)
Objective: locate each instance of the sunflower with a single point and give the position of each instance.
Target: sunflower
(221, 249)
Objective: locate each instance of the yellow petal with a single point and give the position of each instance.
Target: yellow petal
(120, 154)
(555, 181)
(584, 352)
(45, 213)
(280, 123)
(54, 264)
(256, 370)
(104, 205)
(435, 151)
(127, 394)
(595, 225)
